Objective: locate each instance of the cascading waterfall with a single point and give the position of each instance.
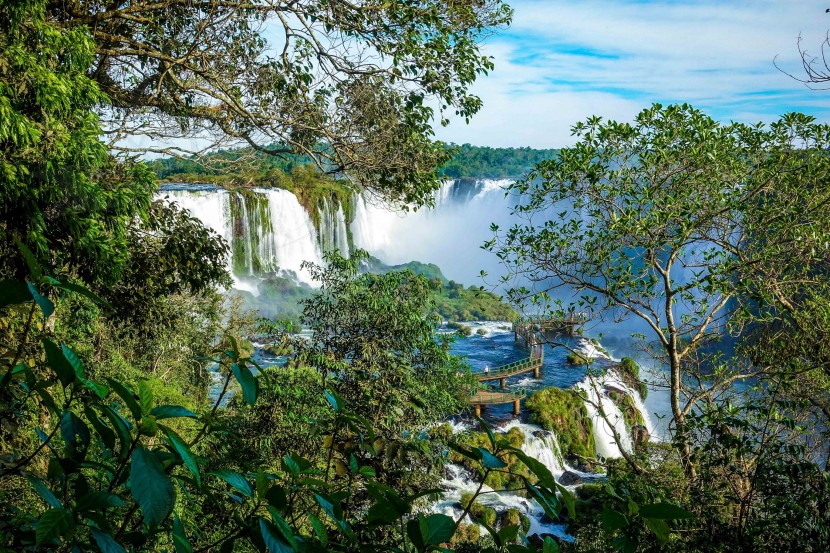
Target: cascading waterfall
(606, 445)
(268, 230)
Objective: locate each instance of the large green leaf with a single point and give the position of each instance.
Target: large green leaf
(272, 538)
(431, 530)
(236, 480)
(127, 396)
(46, 306)
(659, 527)
(489, 460)
(171, 411)
(58, 363)
(97, 500)
(247, 381)
(180, 540)
(549, 545)
(74, 432)
(184, 452)
(44, 492)
(52, 524)
(105, 542)
(150, 486)
(613, 520)
(73, 361)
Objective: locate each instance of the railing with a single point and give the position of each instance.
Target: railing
(496, 397)
(510, 369)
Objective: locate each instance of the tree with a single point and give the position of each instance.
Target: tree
(60, 192)
(696, 228)
(353, 86)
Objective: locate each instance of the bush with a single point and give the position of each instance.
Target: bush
(574, 358)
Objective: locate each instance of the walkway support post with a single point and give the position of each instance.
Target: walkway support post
(536, 371)
(516, 407)
(502, 382)
(478, 410)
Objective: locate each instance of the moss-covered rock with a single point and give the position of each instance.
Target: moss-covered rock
(514, 516)
(563, 412)
(575, 358)
(628, 408)
(509, 477)
(629, 371)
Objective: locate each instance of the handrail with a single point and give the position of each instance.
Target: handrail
(511, 368)
(497, 397)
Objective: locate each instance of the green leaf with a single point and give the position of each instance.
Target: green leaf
(272, 538)
(73, 361)
(435, 529)
(659, 527)
(46, 306)
(180, 541)
(52, 524)
(568, 499)
(664, 511)
(184, 452)
(335, 401)
(247, 382)
(74, 432)
(282, 526)
(68, 286)
(127, 396)
(122, 429)
(549, 545)
(489, 460)
(94, 501)
(319, 529)
(145, 396)
(236, 480)
(150, 487)
(13, 292)
(105, 542)
(58, 363)
(44, 492)
(171, 411)
(613, 520)
(29, 258)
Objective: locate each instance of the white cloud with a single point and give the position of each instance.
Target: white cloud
(562, 61)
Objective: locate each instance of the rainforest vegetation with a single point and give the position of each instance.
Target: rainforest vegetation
(135, 417)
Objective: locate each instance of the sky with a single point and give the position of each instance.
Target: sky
(560, 62)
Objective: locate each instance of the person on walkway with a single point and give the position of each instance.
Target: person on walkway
(486, 369)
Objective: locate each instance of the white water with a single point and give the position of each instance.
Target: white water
(274, 244)
(449, 235)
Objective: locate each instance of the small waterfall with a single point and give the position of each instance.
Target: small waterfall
(333, 231)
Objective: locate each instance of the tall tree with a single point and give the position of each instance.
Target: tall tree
(694, 227)
(353, 85)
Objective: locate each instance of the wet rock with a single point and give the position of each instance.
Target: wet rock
(570, 478)
(639, 435)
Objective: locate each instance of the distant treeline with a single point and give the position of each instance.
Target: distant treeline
(482, 162)
(243, 167)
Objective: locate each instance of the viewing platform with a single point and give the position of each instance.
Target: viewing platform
(527, 328)
(485, 397)
(502, 373)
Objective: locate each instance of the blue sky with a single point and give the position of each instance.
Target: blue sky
(560, 62)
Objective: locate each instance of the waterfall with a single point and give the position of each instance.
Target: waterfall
(268, 230)
(334, 233)
(449, 234)
(541, 445)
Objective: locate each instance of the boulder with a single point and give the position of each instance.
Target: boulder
(570, 478)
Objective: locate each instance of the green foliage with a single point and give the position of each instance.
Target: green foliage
(60, 191)
(563, 412)
(479, 162)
